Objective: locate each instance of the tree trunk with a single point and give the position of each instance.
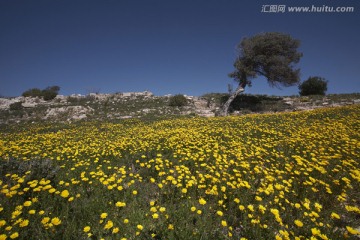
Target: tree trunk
(225, 108)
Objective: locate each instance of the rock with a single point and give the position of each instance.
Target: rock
(29, 104)
(79, 117)
(356, 101)
(125, 117)
(73, 112)
(206, 113)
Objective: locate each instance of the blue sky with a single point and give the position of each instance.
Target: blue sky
(165, 46)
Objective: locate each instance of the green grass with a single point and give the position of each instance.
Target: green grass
(258, 175)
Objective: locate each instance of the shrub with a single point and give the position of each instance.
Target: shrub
(50, 93)
(16, 106)
(36, 168)
(178, 100)
(33, 92)
(313, 86)
(47, 94)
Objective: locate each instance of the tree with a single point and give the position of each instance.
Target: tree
(313, 86)
(271, 55)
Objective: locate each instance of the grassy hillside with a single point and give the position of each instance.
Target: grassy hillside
(270, 176)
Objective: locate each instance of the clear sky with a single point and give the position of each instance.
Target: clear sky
(166, 46)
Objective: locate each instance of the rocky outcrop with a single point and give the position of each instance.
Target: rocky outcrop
(70, 112)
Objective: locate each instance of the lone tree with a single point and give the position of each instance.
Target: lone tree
(272, 55)
(313, 86)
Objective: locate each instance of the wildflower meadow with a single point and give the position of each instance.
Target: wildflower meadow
(263, 176)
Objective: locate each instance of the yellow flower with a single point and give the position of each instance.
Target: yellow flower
(184, 190)
(32, 211)
(115, 230)
(27, 203)
(64, 193)
(134, 192)
(199, 212)
(126, 220)
(45, 220)
(56, 221)
(335, 215)
(251, 207)
(171, 227)
(86, 229)
(298, 223)
(202, 201)
(103, 215)
(2, 223)
(162, 209)
(120, 204)
(109, 225)
(140, 227)
(315, 231)
(24, 223)
(155, 216)
(352, 230)
(223, 223)
(193, 209)
(14, 235)
(3, 236)
(220, 213)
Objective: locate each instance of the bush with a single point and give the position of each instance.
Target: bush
(33, 92)
(178, 100)
(47, 94)
(50, 93)
(253, 103)
(16, 106)
(34, 169)
(313, 86)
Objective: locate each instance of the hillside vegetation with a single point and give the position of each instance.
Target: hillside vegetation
(145, 105)
(260, 176)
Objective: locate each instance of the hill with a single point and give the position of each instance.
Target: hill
(147, 106)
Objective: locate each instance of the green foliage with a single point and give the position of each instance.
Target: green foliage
(33, 92)
(16, 106)
(313, 86)
(271, 55)
(47, 94)
(178, 100)
(34, 169)
(255, 103)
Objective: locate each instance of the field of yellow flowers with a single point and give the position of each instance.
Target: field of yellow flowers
(271, 176)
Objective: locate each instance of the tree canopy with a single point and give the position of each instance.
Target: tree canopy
(272, 55)
(313, 86)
